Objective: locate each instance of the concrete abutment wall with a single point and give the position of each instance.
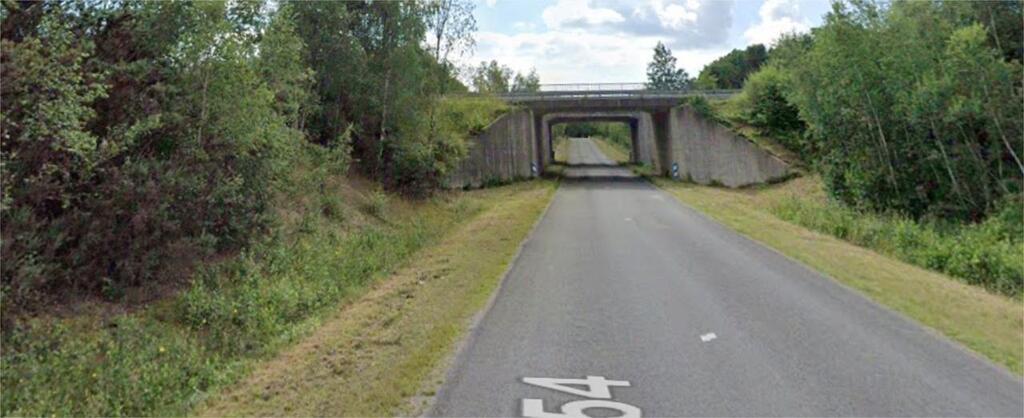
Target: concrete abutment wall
(506, 150)
(709, 153)
(518, 145)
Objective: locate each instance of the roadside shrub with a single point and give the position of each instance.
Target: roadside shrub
(987, 254)
(377, 203)
(427, 149)
(128, 367)
(470, 114)
(765, 107)
(126, 157)
(164, 359)
(702, 107)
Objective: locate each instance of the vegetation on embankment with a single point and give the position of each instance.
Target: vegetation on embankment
(162, 358)
(175, 196)
(988, 323)
(918, 145)
(140, 139)
(388, 349)
(989, 254)
(929, 126)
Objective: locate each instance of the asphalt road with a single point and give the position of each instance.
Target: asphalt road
(619, 280)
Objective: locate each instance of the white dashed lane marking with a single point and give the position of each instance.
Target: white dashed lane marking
(708, 337)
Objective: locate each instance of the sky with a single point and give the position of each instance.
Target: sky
(591, 41)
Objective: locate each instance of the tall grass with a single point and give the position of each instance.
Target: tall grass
(988, 254)
(470, 114)
(165, 357)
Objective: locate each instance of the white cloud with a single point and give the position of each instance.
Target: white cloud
(675, 16)
(610, 40)
(524, 26)
(777, 17)
(573, 55)
(568, 13)
(490, 3)
(685, 24)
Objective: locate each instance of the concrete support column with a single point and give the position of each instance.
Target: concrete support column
(551, 141)
(634, 136)
(663, 141)
(544, 151)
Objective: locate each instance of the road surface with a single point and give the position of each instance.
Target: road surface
(621, 281)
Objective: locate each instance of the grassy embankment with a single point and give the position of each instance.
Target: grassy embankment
(989, 323)
(384, 354)
(987, 253)
(332, 245)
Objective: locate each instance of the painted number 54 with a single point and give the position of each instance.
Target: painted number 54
(597, 388)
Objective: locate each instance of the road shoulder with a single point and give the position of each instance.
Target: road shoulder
(380, 354)
(989, 324)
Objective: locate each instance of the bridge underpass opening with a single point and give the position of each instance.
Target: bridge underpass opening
(618, 133)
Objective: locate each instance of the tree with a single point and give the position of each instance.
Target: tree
(282, 64)
(451, 25)
(337, 61)
(529, 82)
(662, 73)
(930, 125)
(731, 70)
(133, 135)
(491, 78)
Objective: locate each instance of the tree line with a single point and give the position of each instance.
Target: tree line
(138, 132)
(493, 78)
(908, 107)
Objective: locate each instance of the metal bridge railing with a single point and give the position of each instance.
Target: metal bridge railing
(563, 87)
(608, 90)
(570, 91)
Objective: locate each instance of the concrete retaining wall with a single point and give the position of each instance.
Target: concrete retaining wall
(506, 150)
(710, 153)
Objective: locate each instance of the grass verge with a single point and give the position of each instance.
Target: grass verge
(612, 150)
(988, 323)
(336, 240)
(561, 145)
(379, 355)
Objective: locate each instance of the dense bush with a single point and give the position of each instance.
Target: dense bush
(986, 254)
(140, 137)
(165, 359)
(764, 106)
(374, 75)
(136, 137)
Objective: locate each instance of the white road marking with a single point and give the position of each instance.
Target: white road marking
(598, 389)
(708, 337)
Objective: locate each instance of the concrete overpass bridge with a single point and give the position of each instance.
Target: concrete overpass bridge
(665, 134)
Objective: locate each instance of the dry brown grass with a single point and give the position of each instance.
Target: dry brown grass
(379, 355)
(988, 323)
(613, 151)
